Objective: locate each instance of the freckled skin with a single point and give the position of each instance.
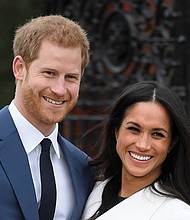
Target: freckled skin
(53, 77)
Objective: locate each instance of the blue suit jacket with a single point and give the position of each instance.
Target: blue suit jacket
(17, 194)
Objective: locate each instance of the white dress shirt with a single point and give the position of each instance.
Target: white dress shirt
(31, 138)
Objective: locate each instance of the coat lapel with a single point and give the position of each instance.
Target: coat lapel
(14, 161)
(142, 205)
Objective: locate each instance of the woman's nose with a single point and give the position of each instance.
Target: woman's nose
(143, 142)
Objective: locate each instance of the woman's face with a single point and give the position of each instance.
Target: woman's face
(143, 141)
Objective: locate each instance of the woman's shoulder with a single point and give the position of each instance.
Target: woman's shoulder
(175, 209)
(171, 203)
(94, 200)
(97, 191)
(100, 184)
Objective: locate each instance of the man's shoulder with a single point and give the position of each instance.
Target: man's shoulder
(4, 110)
(6, 122)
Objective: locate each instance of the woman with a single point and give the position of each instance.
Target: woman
(143, 167)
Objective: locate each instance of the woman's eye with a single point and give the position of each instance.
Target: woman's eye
(134, 129)
(73, 77)
(158, 135)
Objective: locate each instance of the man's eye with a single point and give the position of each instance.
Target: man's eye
(49, 73)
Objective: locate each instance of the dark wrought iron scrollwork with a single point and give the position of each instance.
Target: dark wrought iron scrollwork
(131, 41)
(116, 41)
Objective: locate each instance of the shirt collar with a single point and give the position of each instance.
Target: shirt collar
(29, 135)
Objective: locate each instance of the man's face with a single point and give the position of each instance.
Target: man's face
(48, 89)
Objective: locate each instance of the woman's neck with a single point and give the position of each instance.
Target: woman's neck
(133, 184)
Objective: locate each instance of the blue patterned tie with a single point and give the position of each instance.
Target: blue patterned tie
(48, 196)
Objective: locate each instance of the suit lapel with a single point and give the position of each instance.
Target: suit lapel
(15, 164)
(75, 172)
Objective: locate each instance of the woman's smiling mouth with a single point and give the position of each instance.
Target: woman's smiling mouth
(138, 157)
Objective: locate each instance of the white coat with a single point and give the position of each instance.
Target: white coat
(143, 205)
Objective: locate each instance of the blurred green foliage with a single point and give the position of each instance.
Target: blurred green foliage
(13, 14)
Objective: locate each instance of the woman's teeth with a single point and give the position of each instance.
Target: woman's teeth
(138, 157)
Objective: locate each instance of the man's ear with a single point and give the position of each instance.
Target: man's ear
(19, 68)
(174, 142)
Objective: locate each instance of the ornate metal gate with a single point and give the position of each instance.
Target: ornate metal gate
(131, 40)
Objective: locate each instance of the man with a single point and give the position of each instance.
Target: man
(51, 53)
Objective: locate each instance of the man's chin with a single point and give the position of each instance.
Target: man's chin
(54, 120)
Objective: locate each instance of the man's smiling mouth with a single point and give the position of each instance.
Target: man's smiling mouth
(53, 101)
(140, 158)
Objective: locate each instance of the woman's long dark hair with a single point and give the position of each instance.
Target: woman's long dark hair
(175, 176)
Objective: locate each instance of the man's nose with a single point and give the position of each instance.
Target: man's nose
(59, 87)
